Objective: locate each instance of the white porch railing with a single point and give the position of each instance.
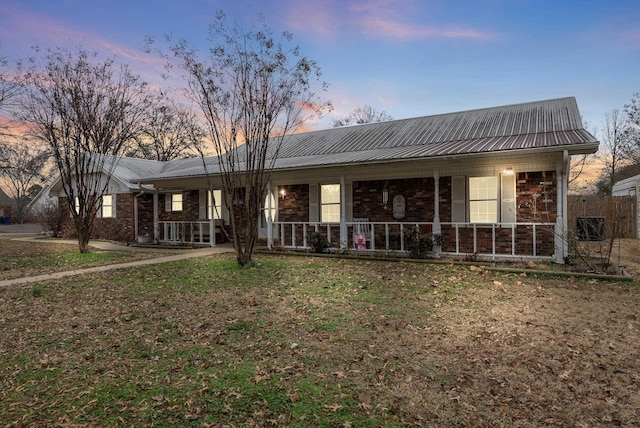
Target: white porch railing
(460, 239)
(186, 232)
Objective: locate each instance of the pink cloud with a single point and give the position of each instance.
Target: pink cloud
(378, 19)
(378, 26)
(46, 32)
(316, 18)
(632, 35)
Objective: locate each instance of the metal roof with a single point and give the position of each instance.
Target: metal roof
(539, 125)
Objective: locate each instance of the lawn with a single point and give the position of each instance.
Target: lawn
(312, 341)
(30, 258)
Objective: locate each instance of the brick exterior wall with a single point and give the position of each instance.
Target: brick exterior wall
(537, 196)
(190, 207)
(418, 194)
(295, 205)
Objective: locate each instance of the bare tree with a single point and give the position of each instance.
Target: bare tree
(169, 131)
(614, 141)
(86, 110)
(580, 164)
(632, 147)
(23, 170)
(254, 90)
(360, 115)
(9, 90)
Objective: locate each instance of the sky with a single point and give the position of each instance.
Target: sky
(408, 58)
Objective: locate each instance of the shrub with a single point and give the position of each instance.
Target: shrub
(416, 243)
(318, 242)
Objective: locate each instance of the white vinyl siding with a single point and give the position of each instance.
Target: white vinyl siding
(330, 203)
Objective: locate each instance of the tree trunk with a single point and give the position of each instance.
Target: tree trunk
(83, 236)
(83, 244)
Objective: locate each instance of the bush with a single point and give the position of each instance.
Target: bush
(420, 244)
(416, 243)
(50, 218)
(318, 242)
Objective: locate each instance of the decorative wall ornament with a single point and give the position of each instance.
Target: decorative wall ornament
(398, 207)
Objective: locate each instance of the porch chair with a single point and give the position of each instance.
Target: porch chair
(361, 233)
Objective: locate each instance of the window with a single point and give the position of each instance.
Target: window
(176, 202)
(330, 203)
(107, 206)
(214, 205)
(266, 213)
(483, 199)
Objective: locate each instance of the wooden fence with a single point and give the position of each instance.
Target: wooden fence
(614, 215)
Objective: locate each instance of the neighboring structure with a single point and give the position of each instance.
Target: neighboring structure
(7, 206)
(630, 187)
(492, 182)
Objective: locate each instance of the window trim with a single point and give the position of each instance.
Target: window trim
(169, 202)
(495, 199)
(111, 206)
(327, 204)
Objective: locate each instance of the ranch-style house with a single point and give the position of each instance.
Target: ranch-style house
(489, 183)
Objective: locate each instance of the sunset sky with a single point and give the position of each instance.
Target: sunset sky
(407, 57)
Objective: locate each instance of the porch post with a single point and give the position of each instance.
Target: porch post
(561, 238)
(156, 224)
(269, 219)
(343, 214)
(436, 211)
(135, 217)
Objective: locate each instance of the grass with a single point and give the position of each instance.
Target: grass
(29, 258)
(304, 342)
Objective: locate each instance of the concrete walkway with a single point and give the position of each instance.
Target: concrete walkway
(111, 246)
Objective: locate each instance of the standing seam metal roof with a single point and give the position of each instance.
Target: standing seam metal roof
(540, 124)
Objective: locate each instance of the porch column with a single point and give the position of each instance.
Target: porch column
(269, 219)
(156, 224)
(436, 210)
(343, 214)
(561, 239)
(135, 216)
